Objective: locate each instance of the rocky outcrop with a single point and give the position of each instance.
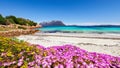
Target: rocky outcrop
(30, 27)
(17, 32)
(52, 23)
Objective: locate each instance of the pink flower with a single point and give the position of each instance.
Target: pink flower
(20, 63)
(3, 54)
(6, 64)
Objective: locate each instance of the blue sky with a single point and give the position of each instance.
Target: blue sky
(81, 12)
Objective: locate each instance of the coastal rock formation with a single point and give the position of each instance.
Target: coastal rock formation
(17, 32)
(52, 23)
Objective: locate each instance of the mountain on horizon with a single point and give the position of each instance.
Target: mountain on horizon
(52, 23)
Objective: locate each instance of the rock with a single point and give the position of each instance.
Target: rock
(17, 32)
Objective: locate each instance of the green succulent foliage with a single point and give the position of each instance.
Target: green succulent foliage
(13, 49)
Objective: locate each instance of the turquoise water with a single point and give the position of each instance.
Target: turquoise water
(110, 29)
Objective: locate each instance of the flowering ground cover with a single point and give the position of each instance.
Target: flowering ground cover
(15, 53)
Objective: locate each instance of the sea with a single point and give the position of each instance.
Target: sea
(80, 29)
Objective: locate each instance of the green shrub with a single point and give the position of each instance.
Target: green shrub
(14, 20)
(2, 20)
(20, 27)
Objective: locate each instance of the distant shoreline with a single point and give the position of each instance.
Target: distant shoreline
(96, 25)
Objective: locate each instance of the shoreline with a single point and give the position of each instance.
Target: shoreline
(83, 35)
(104, 43)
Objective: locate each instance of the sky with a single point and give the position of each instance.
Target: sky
(74, 12)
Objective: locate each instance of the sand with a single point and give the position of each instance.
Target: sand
(100, 43)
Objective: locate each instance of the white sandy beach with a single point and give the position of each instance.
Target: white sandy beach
(101, 43)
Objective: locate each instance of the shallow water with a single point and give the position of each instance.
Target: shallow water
(81, 29)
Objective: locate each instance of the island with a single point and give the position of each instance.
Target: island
(52, 23)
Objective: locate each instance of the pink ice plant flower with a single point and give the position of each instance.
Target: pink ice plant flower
(69, 56)
(20, 61)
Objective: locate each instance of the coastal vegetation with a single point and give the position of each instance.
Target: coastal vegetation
(13, 26)
(14, 20)
(16, 53)
(13, 51)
